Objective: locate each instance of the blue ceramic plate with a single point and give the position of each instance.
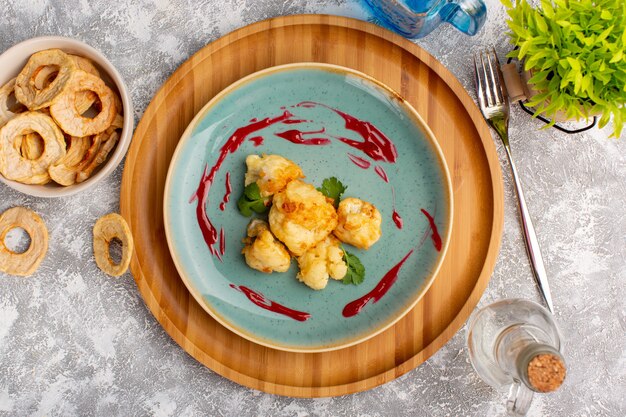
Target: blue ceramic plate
(331, 121)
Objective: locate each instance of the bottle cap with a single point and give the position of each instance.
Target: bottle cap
(543, 368)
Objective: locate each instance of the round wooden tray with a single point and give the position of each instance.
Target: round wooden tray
(457, 125)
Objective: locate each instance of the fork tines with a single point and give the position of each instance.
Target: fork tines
(489, 79)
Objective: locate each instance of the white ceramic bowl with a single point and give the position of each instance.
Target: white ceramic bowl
(11, 63)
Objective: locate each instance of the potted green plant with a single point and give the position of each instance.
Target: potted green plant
(576, 53)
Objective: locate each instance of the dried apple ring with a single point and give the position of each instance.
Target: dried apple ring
(109, 227)
(32, 146)
(6, 113)
(84, 99)
(12, 165)
(64, 171)
(25, 90)
(71, 120)
(118, 122)
(86, 171)
(118, 103)
(85, 64)
(44, 76)
(77, 150)
(25, 263)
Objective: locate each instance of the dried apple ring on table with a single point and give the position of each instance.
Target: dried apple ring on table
(6, 112)
(15, 167)
(109, 227)
(25, 90)
(27, 262)
(69, 118)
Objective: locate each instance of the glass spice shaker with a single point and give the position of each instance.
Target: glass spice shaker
(514, 345)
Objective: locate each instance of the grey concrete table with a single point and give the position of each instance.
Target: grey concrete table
(76, 342)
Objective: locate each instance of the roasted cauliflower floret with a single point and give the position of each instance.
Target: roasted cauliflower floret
(301, 216)
(263, 251)
(359, 223)
(321, 262)
(271, 173)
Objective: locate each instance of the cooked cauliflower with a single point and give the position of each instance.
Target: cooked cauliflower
(271, 172)
(301, 216)
(262, 251)
(321, 262)
(359, 223)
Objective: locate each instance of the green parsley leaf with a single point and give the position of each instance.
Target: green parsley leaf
(332, 188)
(252, 191)
(356, 270)
(244, 207)
(251, 200)
(258, 206)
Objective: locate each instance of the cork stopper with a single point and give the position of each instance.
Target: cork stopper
(546, 372)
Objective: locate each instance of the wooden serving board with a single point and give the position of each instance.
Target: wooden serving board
(457, 125)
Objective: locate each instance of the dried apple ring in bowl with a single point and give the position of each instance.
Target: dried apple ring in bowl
(107, 145)
(85, 64)
(109, 227)
(84, 99)
(32, 146)
(80, 152)
(43, 76)
(13, 165)
(27, 262)
(25, 90)
(6, 110)
(69, 118)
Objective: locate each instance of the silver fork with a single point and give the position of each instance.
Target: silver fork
(494, 104)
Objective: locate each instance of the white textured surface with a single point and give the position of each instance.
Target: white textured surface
(75, 342)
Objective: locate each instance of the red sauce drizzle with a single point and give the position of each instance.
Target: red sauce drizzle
(257, 140)
(375, 144)
(227, 192)
(222, 241)
(295, 121)
(395, 216)
(297, 136)
(209, 233)
(353, 308)
(358, 161)
(397, 219)
(435, 233)
(381, 173)
(260, 300)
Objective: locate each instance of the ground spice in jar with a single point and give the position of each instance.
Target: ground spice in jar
(546, 372)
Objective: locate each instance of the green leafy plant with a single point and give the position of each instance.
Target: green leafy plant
(332, 188)
(356, 270)
(251, 200)
(576, 52)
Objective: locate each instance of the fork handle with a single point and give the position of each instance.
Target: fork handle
(530, 237)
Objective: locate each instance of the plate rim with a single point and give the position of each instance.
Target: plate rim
(416, 120)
